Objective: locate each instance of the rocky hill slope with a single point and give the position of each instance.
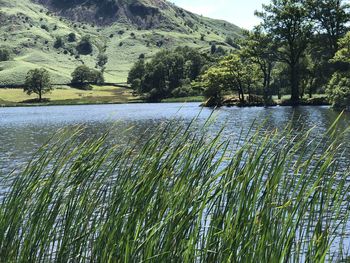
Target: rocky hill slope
(122, 29)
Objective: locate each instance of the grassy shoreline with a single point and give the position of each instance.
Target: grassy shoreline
(99, 95)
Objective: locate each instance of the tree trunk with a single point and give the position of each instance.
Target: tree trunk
(294, 81)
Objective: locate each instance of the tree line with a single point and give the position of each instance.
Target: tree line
(300, 48)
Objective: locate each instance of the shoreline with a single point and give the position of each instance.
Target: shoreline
(45, 104)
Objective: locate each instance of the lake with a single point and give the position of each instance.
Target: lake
(24, 129)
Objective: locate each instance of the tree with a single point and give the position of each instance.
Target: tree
(338, 88)
(260, 49)
(338, 91)
(165, 73)
(83, 74)
(213, 48)
(38, 81)
(289, 23)
(102, 60)
(137, 72)
(72, 37)
(58, 43)
(331, 18)
(239, 75)
(4, 54)
(214, 86)
(84, 47)
(231, 74)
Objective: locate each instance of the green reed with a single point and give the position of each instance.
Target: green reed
(180, 196)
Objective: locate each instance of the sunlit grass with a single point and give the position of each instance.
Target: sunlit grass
(102, 94)
(181, 196)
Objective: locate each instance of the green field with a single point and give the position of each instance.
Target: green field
(67, 95)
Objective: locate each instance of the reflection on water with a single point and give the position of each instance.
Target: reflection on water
(23, 130)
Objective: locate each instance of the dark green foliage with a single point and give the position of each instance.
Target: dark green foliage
(213, 48)
(102, 60)
(45, 27)
(4, 54)
(288, 22)
(83, 75)
(230, 41)
(85, 47)
(58, 43)
(72, 37)
(166, 72)
(38, 81)
(338, 91)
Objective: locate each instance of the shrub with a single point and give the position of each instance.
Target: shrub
(45, 27)
(4, 54)
(58, 43)
(84, 47)
(72, 37)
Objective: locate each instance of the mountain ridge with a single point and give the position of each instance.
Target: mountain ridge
(29, 30)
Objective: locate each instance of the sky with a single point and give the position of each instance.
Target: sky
(238, 12)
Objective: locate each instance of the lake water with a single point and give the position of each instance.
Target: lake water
(24, 129)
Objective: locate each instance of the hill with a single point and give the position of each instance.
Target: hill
(123, 29)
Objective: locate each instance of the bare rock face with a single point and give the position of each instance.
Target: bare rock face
(141, 13)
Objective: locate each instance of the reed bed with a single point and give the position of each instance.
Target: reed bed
(181, 196)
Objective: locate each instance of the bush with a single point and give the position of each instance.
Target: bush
(58, 43)
(45, 27)
(84, 47)
(72, 37)
(4, 54)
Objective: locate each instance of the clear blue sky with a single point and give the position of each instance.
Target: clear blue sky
(238, 12)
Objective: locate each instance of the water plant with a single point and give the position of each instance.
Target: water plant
(180, 196)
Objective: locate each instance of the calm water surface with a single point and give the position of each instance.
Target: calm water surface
(23, 130)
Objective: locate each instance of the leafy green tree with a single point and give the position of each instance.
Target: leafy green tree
(102, 60)
(213, 48)
(83, 74)
(331, 18)
(231, 74)
(38, 81)
(166, 72)
(72, 37)
(289, 23)
(213, 81)
(137, 72)
(4, 54)
(85, 47)
(343, 53)
(58, 43)
(338, 88)
(338, 91)
(260, 49)
(239, 75)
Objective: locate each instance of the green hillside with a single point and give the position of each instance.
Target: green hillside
(29, 30)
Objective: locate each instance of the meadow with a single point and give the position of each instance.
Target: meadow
(67, 95)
